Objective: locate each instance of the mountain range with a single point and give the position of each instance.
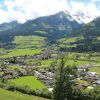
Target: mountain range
(54, 27)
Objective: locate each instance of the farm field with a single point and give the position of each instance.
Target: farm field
(72, 58)
(28, 41)
(78, 62)
(70, 62)
(21, 52)
(29, 81)
(95, 69)
(8, 95)
(82, 58)
(65, 42)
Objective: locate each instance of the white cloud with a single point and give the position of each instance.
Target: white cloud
(85, 8)
(30, 9)
(23, 10)
(90, 10)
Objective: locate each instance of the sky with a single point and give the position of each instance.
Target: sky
(23, 10)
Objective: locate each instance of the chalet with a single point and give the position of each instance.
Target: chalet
(81, 86)
(49, 74)
(97, 82)
(1, 75)
(87, 66)
(91, 74)
(50, 89)
(0, 69)
(91, 79)
(22, 72)
(41, 71)
(8, 72)
(15, 74)
(7, 76)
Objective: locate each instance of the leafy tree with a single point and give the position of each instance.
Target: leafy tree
(65, 88)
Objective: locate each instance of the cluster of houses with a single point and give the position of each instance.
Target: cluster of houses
(45, 77)
(40, 74)
(22, 59)
(25, 70)
(91, 77)
(8, 73)
(45, 55)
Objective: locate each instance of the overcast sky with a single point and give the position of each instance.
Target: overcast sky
(23, 10)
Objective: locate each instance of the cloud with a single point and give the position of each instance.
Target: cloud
(23, 10)
(88, 10)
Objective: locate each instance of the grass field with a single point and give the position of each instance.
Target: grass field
(8, 95)
(29, 81)
(14, 67)
(71, 59)
(82, 82)
(78, 62)
(21, 52)
(95, 69)
(2, 51)
(98, 38)
(65, 40)
(28, 41)
(69, 62)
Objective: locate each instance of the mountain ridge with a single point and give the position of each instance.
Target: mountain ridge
(53, 27)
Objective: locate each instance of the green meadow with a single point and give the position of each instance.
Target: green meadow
(95, 69)
(28, 41)
(21, 52)
(29, 81)
(8, 95)
(72, 58)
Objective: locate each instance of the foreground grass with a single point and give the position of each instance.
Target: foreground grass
(29, 81)
(8, 95)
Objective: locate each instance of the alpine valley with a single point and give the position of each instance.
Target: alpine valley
(31, 52)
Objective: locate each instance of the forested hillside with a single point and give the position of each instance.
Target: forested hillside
(85, 39)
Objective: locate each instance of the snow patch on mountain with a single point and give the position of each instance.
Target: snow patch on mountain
(81, 17)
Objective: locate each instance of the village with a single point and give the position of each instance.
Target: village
(45, 76)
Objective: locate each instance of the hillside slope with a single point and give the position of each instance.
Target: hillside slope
(85, 39)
